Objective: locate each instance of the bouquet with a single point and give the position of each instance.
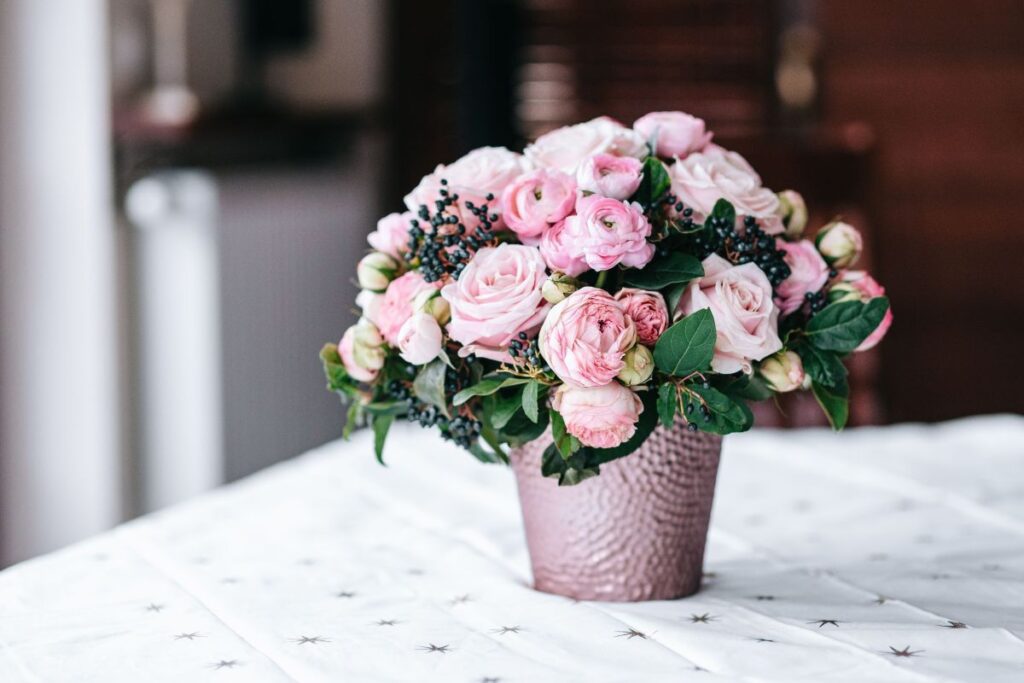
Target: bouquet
(604, 281)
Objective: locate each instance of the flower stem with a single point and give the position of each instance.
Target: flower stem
(601, 277)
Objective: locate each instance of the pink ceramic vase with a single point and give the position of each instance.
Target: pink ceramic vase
(636, 532)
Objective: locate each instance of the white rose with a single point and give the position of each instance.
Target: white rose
(568, 147)
(419, 339)
(702, 178)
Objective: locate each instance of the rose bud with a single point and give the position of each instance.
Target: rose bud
(376, 270)
(843, 291)
(610, 176)
(784, 371)
(639, 366)
(432, 303)
(840, 244)
(419, 339)
(362, 351)
(558, 286)
(793, 211)
(858, 285)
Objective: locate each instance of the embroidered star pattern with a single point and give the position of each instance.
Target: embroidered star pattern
(188, 636)
(226, 664)
(701, 618)
(430, 647)
(387, 622)
(953, 624)
(905, 652)
(153, 607)
(826, 622)
(506, 629)
(310, 640)
(631, 634)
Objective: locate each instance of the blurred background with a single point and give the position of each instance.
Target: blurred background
(185, 188)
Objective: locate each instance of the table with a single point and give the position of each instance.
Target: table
(882, 554)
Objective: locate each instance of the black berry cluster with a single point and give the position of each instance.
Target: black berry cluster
(440, 242)
(749, 244)
(526, 349)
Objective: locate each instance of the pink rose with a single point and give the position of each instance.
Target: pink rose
(601, 417)
(611, 232)
(647, 311)
(497, 296)
(562, 248)
(391, 312)
(610, 176)
(585, 337)
(419, 339)
(702, 178)
(392, 234)
(361, 350)
(808, 273)
(487, 170)
(568, 147)
(675, 134)
(740, 300)
(869, 288)
(536, 200)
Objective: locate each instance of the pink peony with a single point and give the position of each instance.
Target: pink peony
(391, 312)
(568, 147)
(675, 134)
(869, 288)
(419, 339)
(392, 234)
(809, 273)
(602, 417)
(537, 200)
(702, 178)
(562, 248)
(611, 232)
(740, 300)
(487, 170)
(647, 310)
(497, 296)
(585, 337)
(610, 176)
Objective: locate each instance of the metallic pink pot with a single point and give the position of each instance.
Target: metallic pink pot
(636, 532)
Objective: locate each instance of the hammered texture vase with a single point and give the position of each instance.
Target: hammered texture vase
(636, 532)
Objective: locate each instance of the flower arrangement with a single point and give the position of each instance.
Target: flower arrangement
(605, 280)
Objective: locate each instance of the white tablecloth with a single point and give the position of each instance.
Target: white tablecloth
(893, 554)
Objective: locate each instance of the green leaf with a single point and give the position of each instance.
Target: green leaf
(644, 426)
(386, 408)
(520, 430)
(728, 415)
(530, 408)
(724, 210)
(500, 407)
(569, 472)
(670, 269)
(835, 402)
(337, 377)
(429, 385)
(667, 403)
(673, 294)
(483, 455)
(654, 184)
(381, 425)
(687, 346)
(745, 387)
(351, 419)
(487, 386)
(843, 326)
(824, 367)
(566, 443)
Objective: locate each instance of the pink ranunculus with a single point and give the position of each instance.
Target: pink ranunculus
(647, 310)
(562, 248)
(419, 339)
(396, 305)
(601, 417)
(740, 300)
(361, 351)
(808, 274)
(675, 134)
(487, 170)
(611, 232)
(702, 178)
(869, 289)
(585, 338)
(497, 296)
(568, 147)
(610, 176)
(536, 200)
(392, 234)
